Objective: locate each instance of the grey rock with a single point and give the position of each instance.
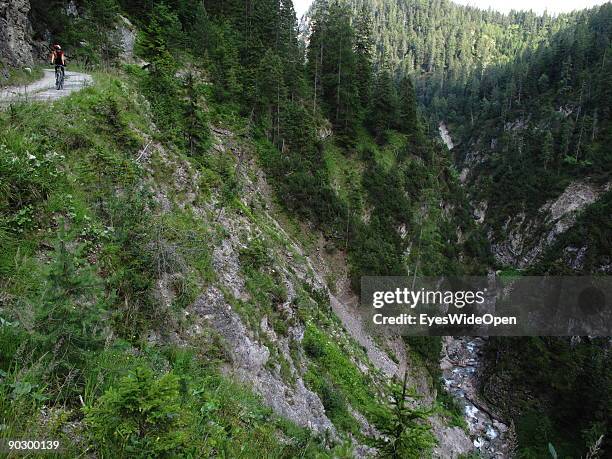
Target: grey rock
(125, 35)
(249, 358)
(15, 33)
(525, 239)
(72, 9)
(445, 136)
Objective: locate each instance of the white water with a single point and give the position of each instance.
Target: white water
(460, 365)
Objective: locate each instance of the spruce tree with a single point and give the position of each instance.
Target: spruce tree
(68, 313)
(383, 106)
(406, 435)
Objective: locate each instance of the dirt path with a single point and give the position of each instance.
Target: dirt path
(44, 89)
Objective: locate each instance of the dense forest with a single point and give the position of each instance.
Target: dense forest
(99, 337)
(527, 97)
(446, 47)
(527, 100)
(342, 119)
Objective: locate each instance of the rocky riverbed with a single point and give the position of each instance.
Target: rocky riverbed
(460, 364)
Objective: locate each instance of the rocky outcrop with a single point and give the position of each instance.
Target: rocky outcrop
(524, 238)
(125, 35)
(480, 211)
(15, 33)
(445, 136)
(249, 357)
(576, 196)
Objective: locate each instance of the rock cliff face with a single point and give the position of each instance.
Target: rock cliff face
(523, 238)
(15, 33)
(270, 359)
(125, 35)
(527, 237)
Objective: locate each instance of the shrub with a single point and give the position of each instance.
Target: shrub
(332, 400)
(255, 255)
(312, 346)
(140, 417)
(67, 313)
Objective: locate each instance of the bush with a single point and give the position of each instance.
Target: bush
(68, 314)
(332, 400)
(140, 417)
(312, 346)
(255, 255)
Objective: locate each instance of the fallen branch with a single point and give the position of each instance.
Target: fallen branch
(220, 130)
(143, 151)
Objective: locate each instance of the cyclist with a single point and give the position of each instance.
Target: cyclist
(58, 58)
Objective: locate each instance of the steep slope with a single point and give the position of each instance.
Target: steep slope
(192, 281)
(545, 145)
(525, 101)
(170, 265)
(537, 167)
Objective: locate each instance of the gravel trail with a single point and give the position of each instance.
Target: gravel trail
(44, 89)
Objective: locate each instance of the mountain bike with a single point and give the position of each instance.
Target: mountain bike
(59, 77)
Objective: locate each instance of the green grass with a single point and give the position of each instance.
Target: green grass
(337, 380)
(83, 185)
(509, 273)
(19, 77)
(344, 173)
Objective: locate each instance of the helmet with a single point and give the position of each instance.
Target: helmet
(58, 47)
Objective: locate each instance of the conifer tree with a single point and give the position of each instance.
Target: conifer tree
(68, 314)
(383, 106)
(332, 62)
(363, 50)
(406, 435)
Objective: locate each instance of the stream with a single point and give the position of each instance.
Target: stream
(460, 364)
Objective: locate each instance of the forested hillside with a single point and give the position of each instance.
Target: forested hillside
(182, 242)
(543, 124)
(174, 237)
(526, 99)
(527, 102)
(447, 47)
